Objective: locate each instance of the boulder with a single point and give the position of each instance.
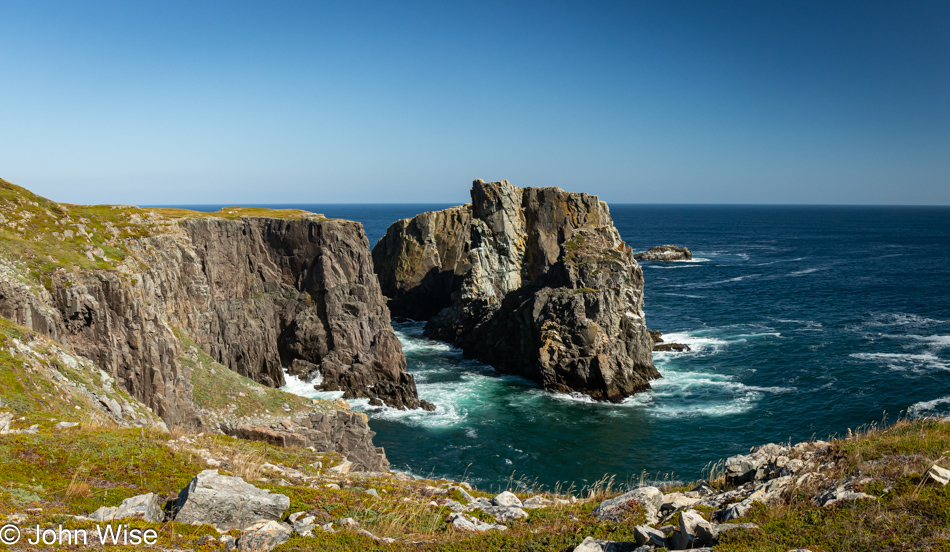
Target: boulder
(537, 502)
(227, 502)
(650, 498)
(693, 532)
(938, 475)
(646, 535)
(147, 507)
(590, 544)
(264, 535)
(665, 253)
(507, 499)
(468, 523)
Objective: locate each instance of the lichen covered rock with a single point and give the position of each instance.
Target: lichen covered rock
(533, 281)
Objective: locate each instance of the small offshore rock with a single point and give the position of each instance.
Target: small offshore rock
(665, 253)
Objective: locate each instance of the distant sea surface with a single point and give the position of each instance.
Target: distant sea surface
(802, 322)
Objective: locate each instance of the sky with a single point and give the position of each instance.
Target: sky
(668, 101)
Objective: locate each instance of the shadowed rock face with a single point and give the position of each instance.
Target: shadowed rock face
(254, 293)
(292, 292)
(534, 281)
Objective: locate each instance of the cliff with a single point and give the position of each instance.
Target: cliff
(119, 285)
(533, 281)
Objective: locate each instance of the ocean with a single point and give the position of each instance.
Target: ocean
(803, 322)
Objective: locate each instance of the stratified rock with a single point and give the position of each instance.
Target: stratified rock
(665, 253)
(145, 507)
(534, 282)
(227, 502)
(255, 293)
(264, 535)
(323, 307)
(341, 431)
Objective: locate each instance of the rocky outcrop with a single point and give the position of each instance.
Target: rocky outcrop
(147, 507)
(292, 292)
(341, 431)
(227, 502)
(533, 281)
(255, 293)
(665, 253)
(660, 345)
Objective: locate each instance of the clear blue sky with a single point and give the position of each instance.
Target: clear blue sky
(317, 102)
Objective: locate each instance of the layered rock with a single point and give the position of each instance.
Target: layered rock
(339, 431)
(533, 281)
(255, 293)
(665, 253)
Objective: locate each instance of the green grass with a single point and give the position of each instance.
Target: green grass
(908, 516)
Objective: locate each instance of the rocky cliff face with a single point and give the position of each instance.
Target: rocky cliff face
(534, 281)
(254, 293)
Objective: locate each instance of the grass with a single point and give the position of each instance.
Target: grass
(908, 515)
(39, 236)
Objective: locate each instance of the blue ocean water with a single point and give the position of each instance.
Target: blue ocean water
(803, 322)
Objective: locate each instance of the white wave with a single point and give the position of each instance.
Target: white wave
(913, 362)
(716, 283)
(669, 266)
(930, 408)
(810, 325)
(696, 343)
(936, 341)
(690, 394)
(903, 319)
(303, 388)
(803, 272)
(684, 295)
(693, 260)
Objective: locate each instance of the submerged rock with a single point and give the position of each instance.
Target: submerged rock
(535, 282)
(665, 253)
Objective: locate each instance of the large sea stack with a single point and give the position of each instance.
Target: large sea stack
(533, 281)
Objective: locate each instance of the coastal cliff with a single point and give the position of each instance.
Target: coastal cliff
(120, 286)
(533, 281)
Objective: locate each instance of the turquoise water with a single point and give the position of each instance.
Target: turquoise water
(803, 322)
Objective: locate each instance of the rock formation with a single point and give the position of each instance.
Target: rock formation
(665, 253)
(255, 293)
(533, 281)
